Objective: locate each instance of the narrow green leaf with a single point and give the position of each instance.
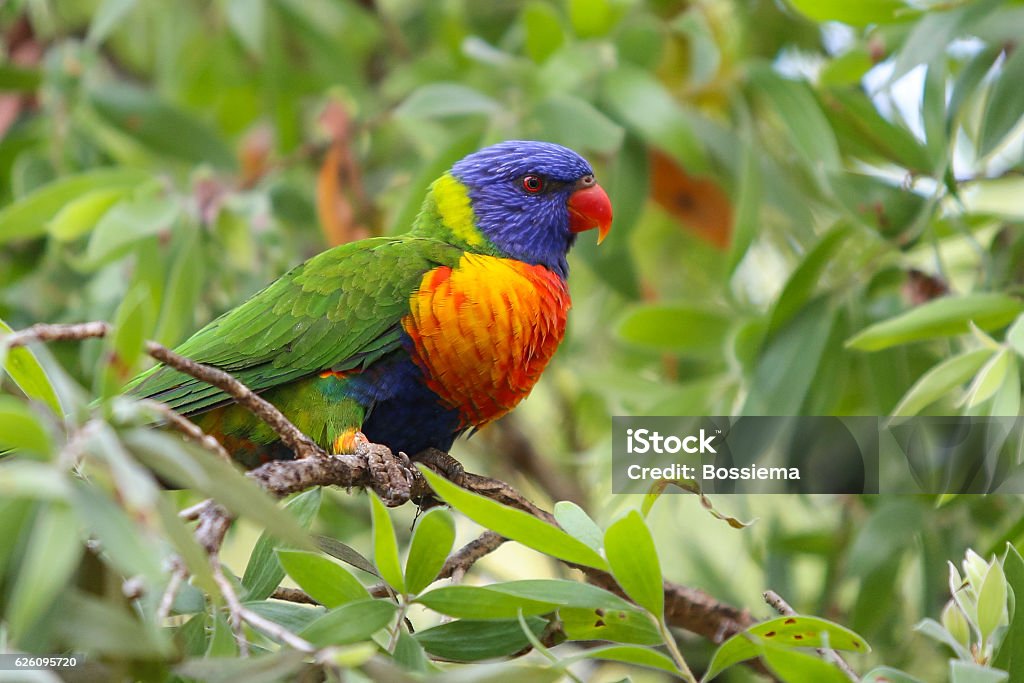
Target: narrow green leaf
(106, 18)
(576, 123)
(631, 625)
(20, 429)
(124, 225)
(969, 672)
(860, 13)
(793, 665)
(470, 641)
(634, 562)
(543, 30)
(80, 215)
(790, 631)
(886, 674)
(940, 380)
(578, 524)
(50, 559)
(288, 614)
(124, 544)
(438, 100)
(160, 126)
(350, 623)
(1006, 401)
(27, 479)
(24, 368)
(263, 573)
(247, 19)
(123, 635)
(1010, 656)
(1015, 336)
(1005, 105)
(992, 601)
(643, 104)
(989, 378)
(477, 602)
(431, 542)
(385, 545)
(29, 216)
(563, 592)
(328, 583)
(629, 654)
(346, 554)
(515, 524)
(943, 317)
(690, 330)
(133, 324)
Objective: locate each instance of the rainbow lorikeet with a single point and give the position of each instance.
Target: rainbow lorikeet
(406, 341)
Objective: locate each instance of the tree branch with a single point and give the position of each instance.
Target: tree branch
(392, 477)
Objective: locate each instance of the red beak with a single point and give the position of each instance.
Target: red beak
(589, 208)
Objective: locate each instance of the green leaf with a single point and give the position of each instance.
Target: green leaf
(27, 479)
(80, 215)
(801, 117)
(935, 631)
(123, 635)
(792, 665)
(515, 524)
(431, 542)
(861, 13)
(991, 601)
(563, 592)
(160, 126)
(106, 18)
(806, 277)
(616, 625)
(264, 572)
(410, 655)
(178, 311)
(385, 545)
(1015, 336)
(283, 665)
(886, 674)
(931, 35)
(575, 123)
(788, 631)
(288, 614)
(470, 641)
(970, 77)
(543, 30)
(350, 623)
(328, 583)
(346, 554)
(989, 378)
(940, 380)
(20, 429)
(120, 228)
(629, 654)
(222, 640)
(24, 368)
(439, 100)
(1005, 105)
(634, 562)
(591, 18)
(133, 324)
(969, 672)
(644, 106)
(124, 544)
(17, 78)
(1010, 656)
(943, 317)
(475, 602)
(28, 217)
(189, 466)
(50, 559)
(578, 524)
(687, 329)
(247, 19)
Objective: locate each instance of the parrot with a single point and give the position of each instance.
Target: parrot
(407, 341)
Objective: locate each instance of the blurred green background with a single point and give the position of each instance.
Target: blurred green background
(818, 210)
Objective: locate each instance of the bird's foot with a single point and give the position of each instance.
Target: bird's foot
(390, 474)
(349, 442)
(442, 463)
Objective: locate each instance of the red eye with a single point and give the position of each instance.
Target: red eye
(533, 184)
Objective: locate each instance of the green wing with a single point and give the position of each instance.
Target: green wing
(341, 309)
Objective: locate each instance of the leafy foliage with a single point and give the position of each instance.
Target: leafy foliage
(817, 212)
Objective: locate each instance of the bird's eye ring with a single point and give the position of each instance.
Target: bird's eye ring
(533, 184)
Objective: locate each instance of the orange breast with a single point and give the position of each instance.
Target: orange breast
(484, 331)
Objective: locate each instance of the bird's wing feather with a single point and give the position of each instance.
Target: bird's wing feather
(340, 310)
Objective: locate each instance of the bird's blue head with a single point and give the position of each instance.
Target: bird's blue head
(526, 199)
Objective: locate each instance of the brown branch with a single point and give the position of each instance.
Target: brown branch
(776, 602)
(293, 595)
(187, 427)
(391, 476)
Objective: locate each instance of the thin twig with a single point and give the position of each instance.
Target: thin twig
(776, 602)
(187, 427)
(235, 609)
(178, 574)
(293, 595)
